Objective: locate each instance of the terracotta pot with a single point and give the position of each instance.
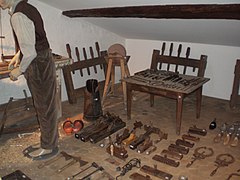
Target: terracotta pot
(68, 127)
(77, 125)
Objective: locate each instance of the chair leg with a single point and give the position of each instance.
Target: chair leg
(179, 113)
(151, 100)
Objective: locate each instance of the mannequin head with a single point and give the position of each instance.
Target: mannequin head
(4, 4)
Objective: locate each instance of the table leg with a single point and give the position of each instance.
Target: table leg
(179, 113)
(198, 101)
(123, 82)
(151, 100)
(129, 100)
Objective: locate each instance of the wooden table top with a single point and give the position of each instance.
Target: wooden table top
(167, 80)
(60, 61)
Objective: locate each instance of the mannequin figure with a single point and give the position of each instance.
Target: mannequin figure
(34, 61)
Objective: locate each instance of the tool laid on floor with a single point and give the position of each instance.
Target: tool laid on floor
(127, 167)
(233, 174)
(16, 175)
(137, 176)
(72, 162)
(99, 125)
(201, 153)
(151, 149)
(220, 135)
(103, 127)
(117, 151)
(149, 130)
(222, 160)
(178, 149)
(126, 133)
(196, 130)
(171, 154)
(95, 165)
(113, 127)
(190, 138)
(229, 134)
(99, 168)
(166, 160)
(132, 137)
(145, 145)
(155, 172)
(213, 124)
(119, 138)
(185, 143)
(161, 136)
(60, 155)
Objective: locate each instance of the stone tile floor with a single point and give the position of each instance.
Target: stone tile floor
(162, 115)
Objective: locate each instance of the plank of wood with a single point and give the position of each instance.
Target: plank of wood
(185, 11)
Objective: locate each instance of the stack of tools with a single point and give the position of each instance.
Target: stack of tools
(174, 153)
(143, 143)
(101, 128)
(229, 134)
(71, 160)
(117, 148)
(168, 79)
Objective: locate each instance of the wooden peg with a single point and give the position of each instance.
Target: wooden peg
(163, 49)
(187, 57)
(92, 55)
(178, 55)
(69, 50)
(85, 57)
(98, 52)
(69, 53)
(170, 54)
(78, 58)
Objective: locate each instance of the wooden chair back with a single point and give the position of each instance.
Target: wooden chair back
(183, 65)
(79, 65)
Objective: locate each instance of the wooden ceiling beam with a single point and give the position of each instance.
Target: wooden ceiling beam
(199, 11)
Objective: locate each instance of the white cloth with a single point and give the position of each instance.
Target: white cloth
(25, 32)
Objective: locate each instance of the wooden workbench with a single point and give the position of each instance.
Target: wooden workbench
(167, 84)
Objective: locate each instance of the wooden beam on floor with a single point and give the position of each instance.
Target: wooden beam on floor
(198, 11)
